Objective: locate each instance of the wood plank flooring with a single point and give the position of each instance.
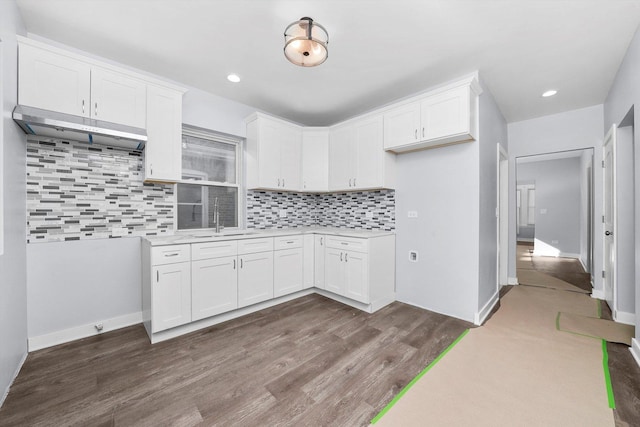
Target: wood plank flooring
(311, 361)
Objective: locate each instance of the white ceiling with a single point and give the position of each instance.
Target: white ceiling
(379, 50)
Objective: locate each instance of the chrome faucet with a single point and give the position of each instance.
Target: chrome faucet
(216, 215)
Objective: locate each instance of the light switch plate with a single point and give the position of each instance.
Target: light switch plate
(412, 214)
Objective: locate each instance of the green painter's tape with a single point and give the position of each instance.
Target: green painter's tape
(607, 375)
(415, 380)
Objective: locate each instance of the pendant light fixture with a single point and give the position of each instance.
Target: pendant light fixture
(305, 43)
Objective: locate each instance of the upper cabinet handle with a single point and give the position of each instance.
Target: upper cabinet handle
(416, 134)
(278, 182)
(96, 109)
(423, 131)
(83, 106)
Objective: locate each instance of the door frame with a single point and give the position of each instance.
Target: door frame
(502, 218)
(610, 138)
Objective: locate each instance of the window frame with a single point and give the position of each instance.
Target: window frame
(220, 137)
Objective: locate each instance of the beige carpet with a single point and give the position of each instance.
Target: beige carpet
(537, 278)
(517, 370)
(595, 328)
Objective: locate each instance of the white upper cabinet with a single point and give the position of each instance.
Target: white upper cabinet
(56, 82)
(118, 98)
(357, 160)
(163, 152)
(447, 116)
(274, 154)
(53, 82)
(315, 160)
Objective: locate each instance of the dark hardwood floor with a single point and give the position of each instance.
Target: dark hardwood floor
(311, 361)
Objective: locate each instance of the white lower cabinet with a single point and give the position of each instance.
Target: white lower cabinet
(318, 261)
(287, 271)
(171, 296)
(346, 274)
(334, 271)
(255, 278)
(214, 287)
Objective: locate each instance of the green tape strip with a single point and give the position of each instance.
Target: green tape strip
(607, 375)
(415, 380)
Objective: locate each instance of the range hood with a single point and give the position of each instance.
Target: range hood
(35, 121)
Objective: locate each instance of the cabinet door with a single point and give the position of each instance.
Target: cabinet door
(214, 287)
(369, 154)
(446, 113)
(163, 152)
(287, 271)
(318, 265)
(255, 278)
(401, 125)
(315, 160)
(309, 258)
(341, 172)
(269, 154)
(118, 98)
(291, 158)
(356, 276)
(171, 296)
(53, 82)
(334, 271)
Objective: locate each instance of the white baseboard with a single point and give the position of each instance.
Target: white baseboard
(597, 293)
(559, 255)
(481, 316)
(584, 266)
(78, 332)
(635, 350)
(526, 239)
(13, 378)
(625, 317)
(512, 281)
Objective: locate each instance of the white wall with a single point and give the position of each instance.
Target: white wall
(13, 293)
(493, 131)
(623, 95)
(441, 184)
(76, 283)
(210, 111)
(570, 130)
(558, 193)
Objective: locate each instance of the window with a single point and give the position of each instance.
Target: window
(211, 171)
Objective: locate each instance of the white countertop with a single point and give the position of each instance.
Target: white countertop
(201, 236)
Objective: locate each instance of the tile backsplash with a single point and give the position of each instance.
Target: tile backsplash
(78, 191)
(343, 210)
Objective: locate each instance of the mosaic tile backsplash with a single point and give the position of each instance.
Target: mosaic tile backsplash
(343, 210)
(77, 191)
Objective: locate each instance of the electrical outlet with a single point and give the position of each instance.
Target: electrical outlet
(412, 214)
(413, 256)
(282, 213)
(369, 215)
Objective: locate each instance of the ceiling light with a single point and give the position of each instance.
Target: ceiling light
(305, 43)
(549, 93)
(234, 78)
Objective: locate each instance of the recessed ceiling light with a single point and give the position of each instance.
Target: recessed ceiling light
(549, 93)
(233, 78)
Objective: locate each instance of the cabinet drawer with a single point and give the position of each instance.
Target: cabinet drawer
(170, 254)
(214, 249)
(348, 243)
(249, 246)
(287, 242)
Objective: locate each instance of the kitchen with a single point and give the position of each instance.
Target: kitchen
(81, 279)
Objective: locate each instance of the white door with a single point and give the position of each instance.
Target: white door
(287, 271)
(163, 152)
(291, 158)
(118, 98)
(214, 287)
(334, 271)
(171, 296)
(340, 152)
(368, 152)
(356, 276)
(53, 82)
(401, 125)
(609, 266)
(255, 278)
(318, 265)
(503, 216)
